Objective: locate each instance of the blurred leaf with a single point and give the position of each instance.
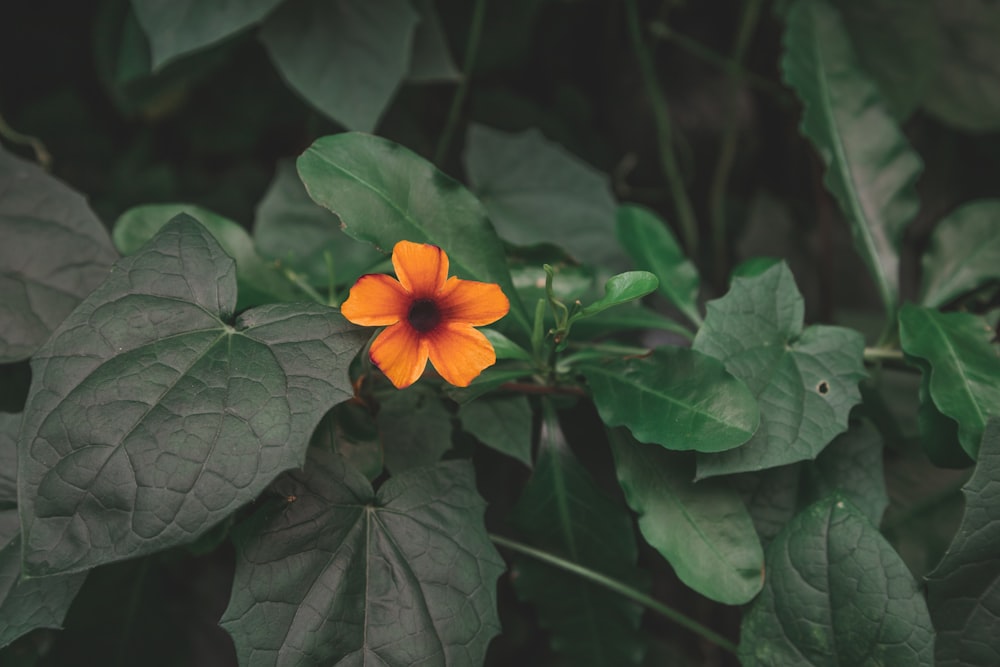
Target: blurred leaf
(674, 397)
(619, 289)
(503, 423)
(259, 281)
(653, 248)
(10, 425)
(806, 381)
(181, 26)
(415, 428)
(751, 268)
(537, 192)
(490, 379)
(899, 49)
(431, 60)
(504, 347)
(961, 363)
(626, 317)
(703, 529)
(836, 594)
(771, 497)
(852, 466)
(345, 58)
(383, 193)
(344, 575)
(964, 253)
(293, 229)
(871, 168)
(349, 430)
(54, 253)
(965, 91)
(151, 418)
(27, 604)
(964, 589)
(564, 512)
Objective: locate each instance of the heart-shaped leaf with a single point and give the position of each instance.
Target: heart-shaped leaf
(341, 575)
(151, 418)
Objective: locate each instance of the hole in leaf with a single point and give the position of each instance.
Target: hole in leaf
(823, 388)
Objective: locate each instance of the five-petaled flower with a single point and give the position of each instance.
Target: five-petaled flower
(427, 315)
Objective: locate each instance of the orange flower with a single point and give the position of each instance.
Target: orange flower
(428, 315)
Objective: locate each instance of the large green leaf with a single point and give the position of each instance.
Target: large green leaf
(431, 60)
(181, 26)
(54, 253)
(345, 58)
(965, 91)
(415, 428)
(302, 235)
(342, 575)
(537, 192)
(871, 168)
(964, 253)
(384, 193)
(151, 418)
(852, 466)
(10, 424)
(503, 423)
(27, 604)
(836, 594)
(703, 529)
(653, 248)
(806, 381)
(564, 512)
(259, 281)
(675, 397)
(962, 366)
(964, 589)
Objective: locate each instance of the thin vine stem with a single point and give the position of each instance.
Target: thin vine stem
(617, 587)
(664, 132)
(458, 101)
(42, 155)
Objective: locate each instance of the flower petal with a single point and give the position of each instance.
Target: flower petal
(472, 302)
(422, 268)
(401, 353)
(459, 353)
(376, 300)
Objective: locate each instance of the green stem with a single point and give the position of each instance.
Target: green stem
(458, 101)
(617, 587)
(875, 355)
(42, 155)
(664, 133)
(300, 282)
(730, 139)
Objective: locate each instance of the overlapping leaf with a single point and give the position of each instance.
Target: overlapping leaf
(852, 466)
(964, 589)
(871, 167)
(961, 366)
(151, 418)
(964, 253)
(384, 193)
(54, 253)
(415, 428)
(431, 60)
(503, 423)
(342, 575)
(836, 594)
(806, 381)
(564, 512)
(703, 529)
(10, 424)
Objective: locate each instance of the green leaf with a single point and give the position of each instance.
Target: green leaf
(836, 594)
(504, 347)
(503, 423)
(619, 289)
(430, 61)
(962, 365)
(9, 427)
(965, 91)
(487, 381)
(150, 418)
(259, 281)
(302, 235)
(350, 431)
(675, 397)
(564, 512)
(343, 575)
(537, 192)
(806, 381)
(345, 58)
(771, 497)
(654, 248)
(703, 529)
(627, 317)
(852, 466)
(871, 167)
(964, 253)
(415, 428)
(179, 27)
(964, 589)
(54, 253)
(384, 193)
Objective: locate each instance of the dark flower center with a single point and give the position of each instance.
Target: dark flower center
(424, 315)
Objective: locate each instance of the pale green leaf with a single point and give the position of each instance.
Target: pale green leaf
(964, 253)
